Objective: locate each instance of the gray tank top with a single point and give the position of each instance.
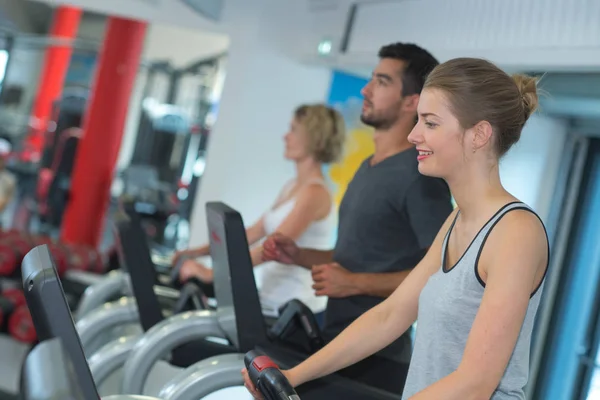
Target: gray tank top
(448, 305)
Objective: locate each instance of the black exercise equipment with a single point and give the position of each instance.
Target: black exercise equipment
(57, 197)
(45, 381)
(58, 155)
(231, 257)
(134, 252)
(56, 368)
(191, 297)
(51, 316)
(164, 136)
(299, 328)
(295, 316)
(67, 112)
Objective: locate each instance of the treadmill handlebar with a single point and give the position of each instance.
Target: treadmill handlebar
(173, 279)
(296, 314)
(191, 297)
(268, 378)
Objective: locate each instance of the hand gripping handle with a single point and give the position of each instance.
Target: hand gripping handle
(267, 377)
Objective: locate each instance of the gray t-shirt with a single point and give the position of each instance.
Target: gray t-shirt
(448, 306)
(389, 216)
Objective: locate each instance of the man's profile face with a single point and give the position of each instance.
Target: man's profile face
(382, 95)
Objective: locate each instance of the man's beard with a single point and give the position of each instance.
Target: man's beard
(379, 122)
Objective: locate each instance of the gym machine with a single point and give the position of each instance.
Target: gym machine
(117, 283)
(122, 321)
(237, 297)
(170, 140)
(163, 140)
(98, 315)
(58, 381)
(52, 320)
(238, 312)
(58, 157)
(111, 286)
(133, 248)
(150, 182)
(135, 256)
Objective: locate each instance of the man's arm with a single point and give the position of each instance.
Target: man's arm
(384, 284)
(281, 248)
(333, 280)
(373, 330)
(307, 258)
(379, 285)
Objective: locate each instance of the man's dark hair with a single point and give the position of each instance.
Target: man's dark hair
(419, 63)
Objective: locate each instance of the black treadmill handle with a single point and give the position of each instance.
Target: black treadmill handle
(296, 312)
(311, 328)
(275, 386)
(268, 378)
(191, 298)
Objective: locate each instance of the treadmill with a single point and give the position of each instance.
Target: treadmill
(59, 381)
(235, 286)
(57, 367)
(134, 251)
(238, 313)
(296, 326)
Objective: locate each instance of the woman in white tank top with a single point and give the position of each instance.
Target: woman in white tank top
(304, 211)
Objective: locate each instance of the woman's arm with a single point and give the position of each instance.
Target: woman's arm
(256, 232)
(381, 325)
(313, 202)
(199, 270)
(512, 266)
(253, 234)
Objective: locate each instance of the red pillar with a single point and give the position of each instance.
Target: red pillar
(103, 129)
(64, 26)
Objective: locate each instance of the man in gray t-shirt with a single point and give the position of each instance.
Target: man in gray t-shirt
(389, 216)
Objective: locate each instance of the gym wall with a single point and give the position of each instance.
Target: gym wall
(530, 168)
(245, 167)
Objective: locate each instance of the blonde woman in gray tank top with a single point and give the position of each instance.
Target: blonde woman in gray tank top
(476, 292)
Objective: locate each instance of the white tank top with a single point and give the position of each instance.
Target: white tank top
(278, 283)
